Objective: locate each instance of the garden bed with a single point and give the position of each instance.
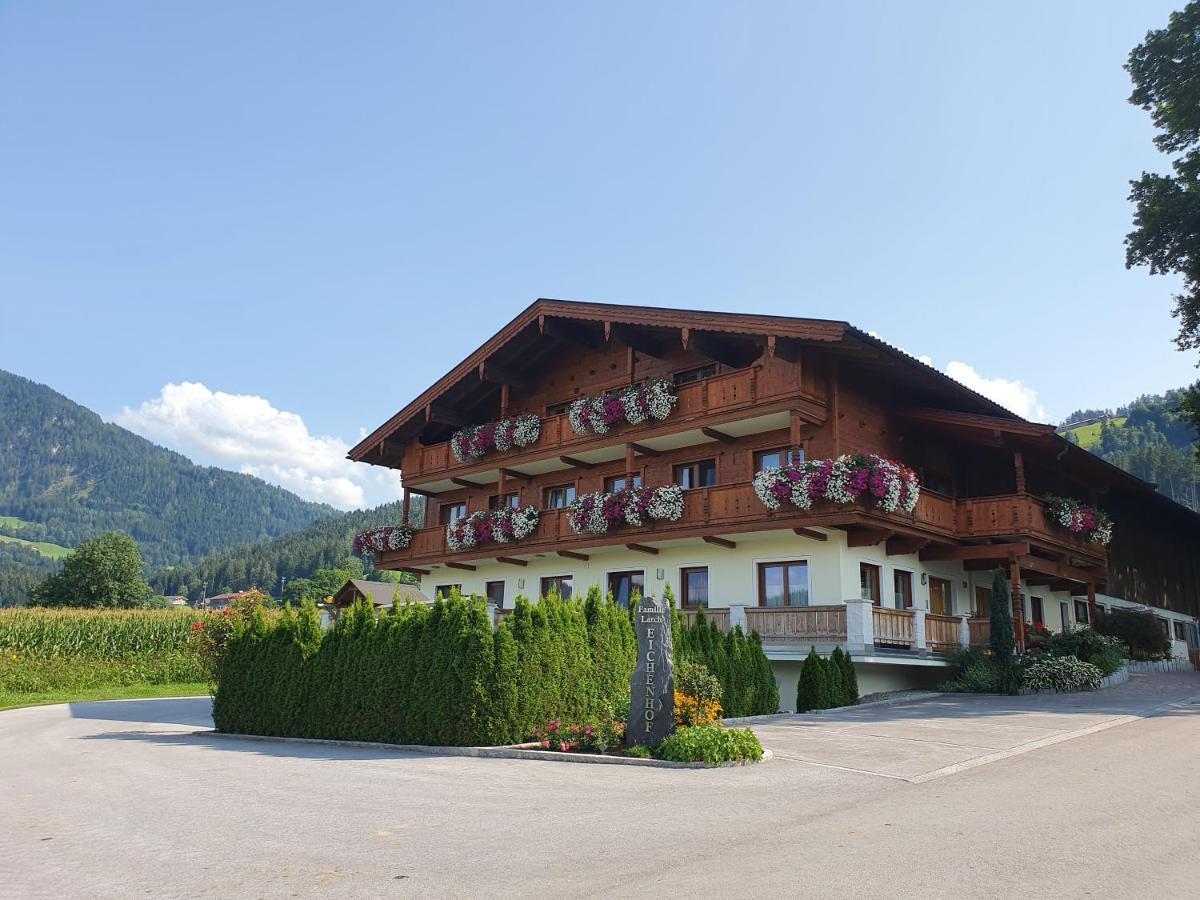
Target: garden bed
(1108, 681)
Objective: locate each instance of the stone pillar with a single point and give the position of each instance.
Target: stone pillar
(964, 631)
(919, 644)
(860, 627)
(737, 616)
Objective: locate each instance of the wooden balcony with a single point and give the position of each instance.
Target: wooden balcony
(723, 509)
(1018, 515)
(981, 632)
(943, 633)
(720, 617)
(729, 396)
(894, 627)
(806, 623)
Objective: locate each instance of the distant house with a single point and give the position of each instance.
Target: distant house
(223, 601)
(382, 593)
(176, 601)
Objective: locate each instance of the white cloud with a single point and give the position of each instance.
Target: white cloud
(1012, 395)
(247, 433)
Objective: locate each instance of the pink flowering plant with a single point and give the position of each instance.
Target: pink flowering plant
(478, 440)
(597, 513)
(377, 540)
(1086, 521)
(849, 478)
(492, 526)
(599, 737)
(631, 405)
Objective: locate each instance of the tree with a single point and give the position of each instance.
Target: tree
(813, 690)
(1003, 638)
(1165, 69)
(105, 572)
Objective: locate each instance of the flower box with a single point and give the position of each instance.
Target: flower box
(377, 540)
(492, 526)
(475, 441)
(850, 478)
(1089, 523)
(597, 513)
(632, 405)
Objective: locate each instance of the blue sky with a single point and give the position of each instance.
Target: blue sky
(288, 219)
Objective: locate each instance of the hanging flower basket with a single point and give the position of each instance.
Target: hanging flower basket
(633, 405)
(599, 512)
(1090, 523)
(492, 526)
(377, 540)
(474, 441)
(891, 486)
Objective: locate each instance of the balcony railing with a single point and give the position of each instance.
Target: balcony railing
(1016, 515)
(724, 507)
(719, 617)
(893, 627)
(981, 632)
(716, 396)
(817, 623)
(943, 632)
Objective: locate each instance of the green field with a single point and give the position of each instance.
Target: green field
(48, 550)
(1089, 435)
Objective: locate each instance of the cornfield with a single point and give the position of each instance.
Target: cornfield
(102, 634)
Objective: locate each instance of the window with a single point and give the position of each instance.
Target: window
(783, 584)
(941, 596)
(902, 582)
(1165, 626)
(688, 376)
(693, 587)
(558, 409)
(1081, 612)
(1066, 617)
(868, 582)
(777, 457)
(561, 583)
(696, 474)
(501, 501)
(983, 602)
(495, 593)
(617, 482)
(1036, 611)
(449, 513)
(623, 584)
(559, 496)
(444, 590)
(1180, 631)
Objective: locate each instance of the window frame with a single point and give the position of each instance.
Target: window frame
(559, 408)
(565, 486)
(609, 480)
(714, 369)
(444, 509)
(949, 596)
(443, 590)
(1037, 611)
(785, 452)
(608, 577)
(762, 566)
(864, 567)
(1086, 618)
(983, 602)
(1178, 630)
(567, 577)
(694, 467)
(684, 571)
(487, 592)
(494, 500)
(902, 576)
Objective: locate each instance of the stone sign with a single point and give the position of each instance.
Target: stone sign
(652, 701)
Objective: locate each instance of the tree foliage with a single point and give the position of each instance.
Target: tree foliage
(105, 572)
(1003, 633)
(1165, 69)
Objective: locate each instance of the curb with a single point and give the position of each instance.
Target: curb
(515, 751)
(889, 701)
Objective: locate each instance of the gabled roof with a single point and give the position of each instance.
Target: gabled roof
(382, 593)
(523, 341)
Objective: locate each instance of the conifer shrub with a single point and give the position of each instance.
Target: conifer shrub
(820, 685)
(738, 662)
(846, 677)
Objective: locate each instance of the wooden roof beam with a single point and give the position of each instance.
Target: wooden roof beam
(576, 463)
(439, 413)
(513, 473)
(466, 567)
(719, 541)
(571, 554)
(411, 570)
(811, 534)
(497, 373)
(719, 349)
(566, 330)
(639, 340)
(643, 450)
(718, 435)
(902, 545)
(858, 536)
(976, 551)
(462, 482)
(642, 548)
(511, 561)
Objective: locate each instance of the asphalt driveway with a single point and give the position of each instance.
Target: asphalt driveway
(124, 799)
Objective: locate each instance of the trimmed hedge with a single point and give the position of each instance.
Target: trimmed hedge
(441, 674)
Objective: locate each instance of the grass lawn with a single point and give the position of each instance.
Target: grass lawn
(1089, 435)
(50, 551)
(13, 700)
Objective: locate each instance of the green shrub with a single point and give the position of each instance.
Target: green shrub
(1003, 634)
(1141, 632)
(1060, 673)
(1108, 661)
(820, 686)
(981, 673)
(710, 744)
(843, 667)
(694, 678)
(641, 751)
(1082, 643)
(738, 662)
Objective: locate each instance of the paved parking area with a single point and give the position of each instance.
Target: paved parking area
(932, 738)
(123, 799)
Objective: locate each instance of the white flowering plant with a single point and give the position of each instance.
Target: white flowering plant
(492, 526)
(1092, 524)
(633, 405)
(892, 486)
(474, 441)
(599, 512)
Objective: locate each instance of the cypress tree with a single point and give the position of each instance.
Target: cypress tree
(1003, 637)
(812, 691)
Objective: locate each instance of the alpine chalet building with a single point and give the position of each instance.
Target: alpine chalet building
(797, 477)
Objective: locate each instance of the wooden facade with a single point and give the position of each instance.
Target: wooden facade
(753, 384)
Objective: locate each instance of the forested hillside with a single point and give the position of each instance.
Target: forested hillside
(66, 476)
(1147, 438)
(323, 545)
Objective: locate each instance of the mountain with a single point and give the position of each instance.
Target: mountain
(1147, 438)
(66, 476)
(322, 545)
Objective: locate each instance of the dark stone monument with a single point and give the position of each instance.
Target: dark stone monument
(652, 700)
